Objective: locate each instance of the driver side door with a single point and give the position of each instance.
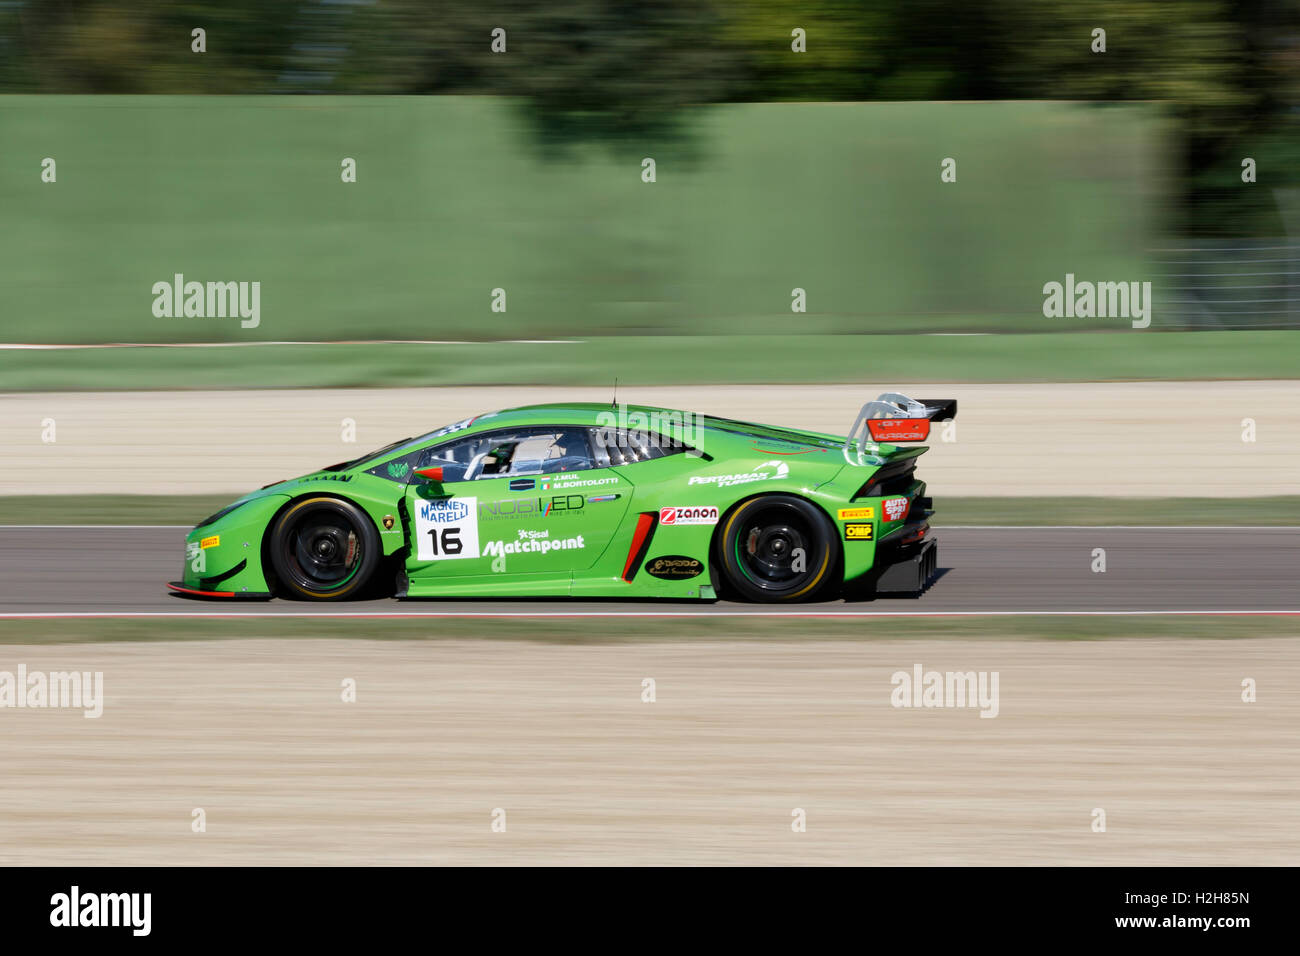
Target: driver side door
(526, 501)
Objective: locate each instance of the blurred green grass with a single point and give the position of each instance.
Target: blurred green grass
(673, 360)
(951, 512)
(843, 200)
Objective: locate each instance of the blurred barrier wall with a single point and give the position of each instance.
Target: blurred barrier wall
(452, 201)
(1231, 283)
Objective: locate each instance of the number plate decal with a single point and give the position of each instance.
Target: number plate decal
(446, 529)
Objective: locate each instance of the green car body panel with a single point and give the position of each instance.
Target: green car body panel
(603, 532)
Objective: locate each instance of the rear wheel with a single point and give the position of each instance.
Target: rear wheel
(778, 548)
(324, 549)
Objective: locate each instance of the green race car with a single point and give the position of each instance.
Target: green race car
(588, 500)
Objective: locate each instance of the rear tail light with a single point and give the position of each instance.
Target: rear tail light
(913, 536)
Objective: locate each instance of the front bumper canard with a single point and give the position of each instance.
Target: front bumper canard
(179, 588)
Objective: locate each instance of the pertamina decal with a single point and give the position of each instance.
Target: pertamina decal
(777, 470)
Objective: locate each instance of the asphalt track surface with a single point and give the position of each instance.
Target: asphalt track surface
(107, 571)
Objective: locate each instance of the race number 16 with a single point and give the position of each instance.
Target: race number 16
(445, 541)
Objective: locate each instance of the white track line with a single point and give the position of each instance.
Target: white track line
(325, 615)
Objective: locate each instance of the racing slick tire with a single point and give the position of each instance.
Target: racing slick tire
(323, 549)
(759, 549)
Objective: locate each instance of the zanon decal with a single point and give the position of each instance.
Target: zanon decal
(699, 515)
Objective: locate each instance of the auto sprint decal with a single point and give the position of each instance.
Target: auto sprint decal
(698, 515)
(895, 509)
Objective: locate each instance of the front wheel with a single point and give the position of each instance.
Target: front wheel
(778, 548)
(324, 549)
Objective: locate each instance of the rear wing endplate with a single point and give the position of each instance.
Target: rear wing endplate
(894, 418)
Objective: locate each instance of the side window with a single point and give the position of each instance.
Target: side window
(521, 451)
(614, 447)
(550, 452)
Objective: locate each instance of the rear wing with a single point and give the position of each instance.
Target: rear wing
(896, 418)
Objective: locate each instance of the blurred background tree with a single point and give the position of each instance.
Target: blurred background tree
(619, 72)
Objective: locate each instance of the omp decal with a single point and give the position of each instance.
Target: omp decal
(895, 509)
(595, 498)
(211, 541)
(691, 515)
(674, 567)
(523, 484)
(857, 514)
(446, 529)
(858, 531)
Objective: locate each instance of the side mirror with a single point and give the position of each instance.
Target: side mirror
(433, 474)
